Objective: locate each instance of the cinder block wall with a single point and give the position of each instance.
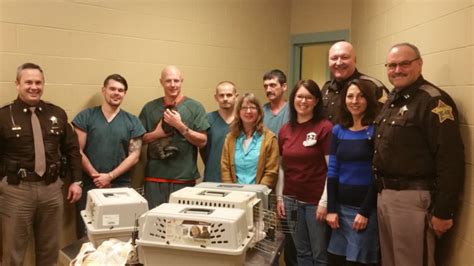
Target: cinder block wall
(443, 31)
(313, 16)
(79, 42)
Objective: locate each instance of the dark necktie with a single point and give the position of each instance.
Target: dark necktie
(40, 159)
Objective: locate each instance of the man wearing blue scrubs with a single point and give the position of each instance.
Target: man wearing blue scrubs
(219, 121)
(110, 141)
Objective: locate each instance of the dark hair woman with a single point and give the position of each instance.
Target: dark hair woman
(352, 212)
(304, 144)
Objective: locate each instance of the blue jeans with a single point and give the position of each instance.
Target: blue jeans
(309, 235)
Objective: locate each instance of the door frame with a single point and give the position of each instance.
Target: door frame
(297, 41)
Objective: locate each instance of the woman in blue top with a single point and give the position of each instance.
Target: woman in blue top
(351, 188)
(250, 153)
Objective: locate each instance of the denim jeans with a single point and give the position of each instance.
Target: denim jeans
(309, 235)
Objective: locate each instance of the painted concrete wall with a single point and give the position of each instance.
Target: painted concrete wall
(79, 42)
(444, 32)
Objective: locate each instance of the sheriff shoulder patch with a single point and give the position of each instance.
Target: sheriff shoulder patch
(443, 111)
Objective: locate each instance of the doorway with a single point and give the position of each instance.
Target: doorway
(314, 62)
(309, 53)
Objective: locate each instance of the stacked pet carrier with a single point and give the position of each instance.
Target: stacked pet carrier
(267, 224)
(262, 191)
(245, 201)
(184, 234)
(111, 213)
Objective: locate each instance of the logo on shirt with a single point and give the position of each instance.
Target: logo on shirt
(310, 139)
(443, 111)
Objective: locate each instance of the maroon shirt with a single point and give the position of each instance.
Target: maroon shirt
(303, 148)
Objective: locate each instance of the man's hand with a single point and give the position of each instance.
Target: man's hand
(441, 226)
(102, 180)
(321, 213)
(157, 133)
(173, 118)
(159, 130)
(74, 192)
(333, 220)
(280, 208)
(360, 223)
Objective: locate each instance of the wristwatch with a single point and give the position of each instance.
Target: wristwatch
(79, 183)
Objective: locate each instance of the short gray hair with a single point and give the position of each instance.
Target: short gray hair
(412, 46)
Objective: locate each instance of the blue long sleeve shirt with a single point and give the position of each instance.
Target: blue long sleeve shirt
(350, 176)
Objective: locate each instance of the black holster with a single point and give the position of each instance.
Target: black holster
(16, 173)
(12, 172)
(63, 169)
(52, 173)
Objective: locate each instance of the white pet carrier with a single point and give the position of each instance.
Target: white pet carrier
(111, 213)
(178, 234)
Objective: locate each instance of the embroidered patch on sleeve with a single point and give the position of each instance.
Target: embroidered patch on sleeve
(443, 111)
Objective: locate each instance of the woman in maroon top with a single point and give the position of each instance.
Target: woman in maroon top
(304, 144)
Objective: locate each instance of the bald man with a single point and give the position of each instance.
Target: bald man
(180, 120)
(342, 63)
(219, 121)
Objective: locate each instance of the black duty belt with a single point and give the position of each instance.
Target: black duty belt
(404, 183)
(29, 176)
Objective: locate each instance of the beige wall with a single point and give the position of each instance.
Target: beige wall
(308, 16)
(444, 32)
(79, 42)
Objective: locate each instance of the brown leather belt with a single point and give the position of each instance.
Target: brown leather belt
(404, 184)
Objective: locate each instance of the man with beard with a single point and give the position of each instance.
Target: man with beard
(110, 141)
(219, 121)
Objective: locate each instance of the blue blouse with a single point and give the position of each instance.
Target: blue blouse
(246, 160)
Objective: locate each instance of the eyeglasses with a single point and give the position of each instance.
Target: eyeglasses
(306, 98)
(403, 64)
(248, 108)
